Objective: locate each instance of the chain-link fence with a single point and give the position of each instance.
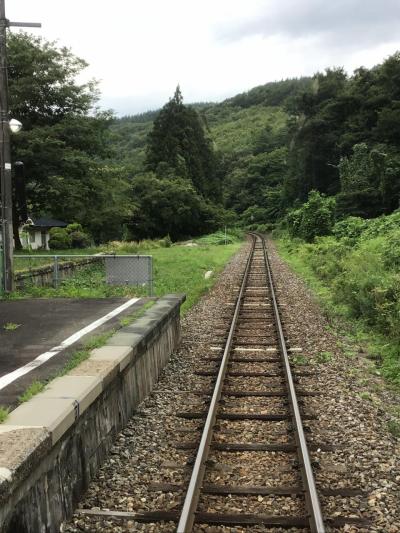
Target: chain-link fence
(129, 270)
(46, 269)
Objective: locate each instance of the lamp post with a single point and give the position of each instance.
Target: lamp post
(6, 126)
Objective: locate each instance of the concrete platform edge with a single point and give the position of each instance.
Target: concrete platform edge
(52, 446)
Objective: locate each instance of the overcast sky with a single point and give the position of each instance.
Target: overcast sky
(140, 50)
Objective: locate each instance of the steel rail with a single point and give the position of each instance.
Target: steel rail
(311, 494)
(187, 516)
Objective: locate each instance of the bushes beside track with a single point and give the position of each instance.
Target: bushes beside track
(357, 273)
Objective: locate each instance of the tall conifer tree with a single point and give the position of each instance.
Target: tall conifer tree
(177, 145)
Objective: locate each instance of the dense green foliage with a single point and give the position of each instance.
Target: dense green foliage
(178, 190)
(314, 217)
(345, 139)
(359, 266)
(72, 236)
(249, 157)
(64, 142)
(333, 133)
(171, 206)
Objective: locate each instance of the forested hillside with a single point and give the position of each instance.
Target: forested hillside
(248, 134)
(186, 169)
(333, 133)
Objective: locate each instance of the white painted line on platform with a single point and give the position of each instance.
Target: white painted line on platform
(43, 357)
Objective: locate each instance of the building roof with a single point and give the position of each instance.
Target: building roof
(48, 223)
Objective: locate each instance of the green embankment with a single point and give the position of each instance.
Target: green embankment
(355, 273)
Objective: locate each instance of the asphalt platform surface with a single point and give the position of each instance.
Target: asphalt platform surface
(42, 324)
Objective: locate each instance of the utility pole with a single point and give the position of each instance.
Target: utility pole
(5, 155)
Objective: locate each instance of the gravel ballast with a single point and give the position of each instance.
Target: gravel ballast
(365, 454)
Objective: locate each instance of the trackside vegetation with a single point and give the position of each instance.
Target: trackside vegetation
(356, 272)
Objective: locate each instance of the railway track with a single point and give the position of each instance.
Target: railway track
(256, 415)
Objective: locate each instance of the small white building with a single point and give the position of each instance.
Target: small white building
(36, 236)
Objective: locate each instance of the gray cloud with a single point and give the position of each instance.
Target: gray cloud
(339, 23)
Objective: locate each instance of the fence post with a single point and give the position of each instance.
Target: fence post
(55, 272)
(1, 270)
(151, 276)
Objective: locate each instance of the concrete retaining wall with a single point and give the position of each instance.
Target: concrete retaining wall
(44, 276)
(52, 446)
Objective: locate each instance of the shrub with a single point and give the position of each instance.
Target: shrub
(72, 236)
(391, 250)
(261, 228)
(370, 291)
(219, 237)
(360, 269)
(350, 229)
(74, 227)
(135, 247)
(166, 242)
(315, 217)
(79, 239)
(327, 256)
(382, 225)
(59, 239)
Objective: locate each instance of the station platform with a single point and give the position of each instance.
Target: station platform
(38, 336)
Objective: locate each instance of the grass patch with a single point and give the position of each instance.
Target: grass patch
(3, 414)
(126, 320)
(76, 359)
(176, 269)
(365, 395)
(324, 357)
(220, 237)
(33, 389)
(350, 354)
(11, 326)
(394, 428)
(81, 355)
(299, 360)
